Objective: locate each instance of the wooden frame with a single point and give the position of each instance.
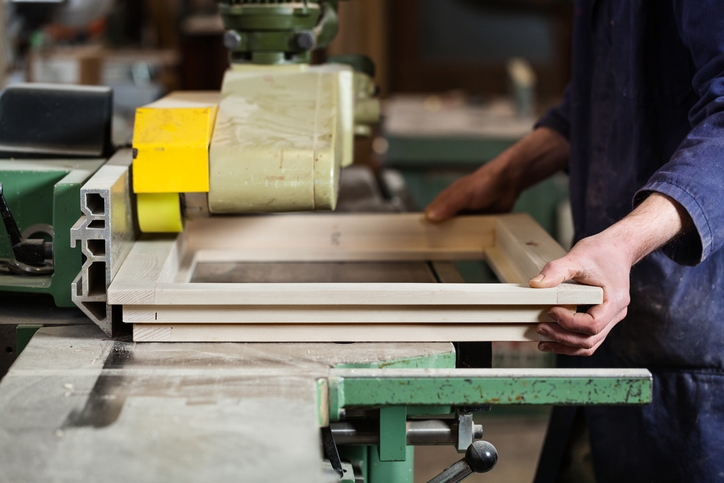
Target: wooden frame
(154, 288)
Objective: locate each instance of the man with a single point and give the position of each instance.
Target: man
(641, 125)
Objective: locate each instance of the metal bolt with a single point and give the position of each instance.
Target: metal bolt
(306, 40)
(232, 39)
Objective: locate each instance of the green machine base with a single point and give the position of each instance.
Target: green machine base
(45, 192)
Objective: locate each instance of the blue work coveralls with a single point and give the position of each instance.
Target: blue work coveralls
(645, 113)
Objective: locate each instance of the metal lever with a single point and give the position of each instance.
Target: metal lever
(30, 254)
(330, 451)
(480, 457)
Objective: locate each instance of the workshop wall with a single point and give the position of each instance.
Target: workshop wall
(438, 45)
(441, 45)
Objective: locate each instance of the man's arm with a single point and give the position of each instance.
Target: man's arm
(605, 260)
(694, 176)
(496, 185)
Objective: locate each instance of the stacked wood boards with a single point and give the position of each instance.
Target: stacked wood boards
(155, 290)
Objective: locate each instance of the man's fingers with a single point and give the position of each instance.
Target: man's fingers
(438, 212)
(445, 206)
(440, 208)
(567, 350)
(556, 336)
(587, 323)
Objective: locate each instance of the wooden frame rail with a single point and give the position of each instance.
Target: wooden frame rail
(154, 287)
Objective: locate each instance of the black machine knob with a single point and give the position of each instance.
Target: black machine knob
(480, 457)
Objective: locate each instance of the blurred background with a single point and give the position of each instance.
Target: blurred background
(446, 57)
(460, 79)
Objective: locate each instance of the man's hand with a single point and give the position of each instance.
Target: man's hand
(487, 190)
(605, 260)
(598, 261)
(496, 185)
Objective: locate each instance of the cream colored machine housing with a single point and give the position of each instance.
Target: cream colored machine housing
(282, 134)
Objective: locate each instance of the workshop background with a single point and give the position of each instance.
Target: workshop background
(460, 81)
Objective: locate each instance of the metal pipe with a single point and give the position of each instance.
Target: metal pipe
(419, 433)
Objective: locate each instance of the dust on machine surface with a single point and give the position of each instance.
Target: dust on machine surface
(99, 393)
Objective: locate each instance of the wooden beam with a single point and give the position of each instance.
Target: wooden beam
(349, 314)
(525, 246)
(342, 294)
(332, 333)
(153, 285)
(341, 233)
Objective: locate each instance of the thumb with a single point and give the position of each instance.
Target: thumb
(555, 273)
(443, 207)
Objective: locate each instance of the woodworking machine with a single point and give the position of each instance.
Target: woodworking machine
(275, 139)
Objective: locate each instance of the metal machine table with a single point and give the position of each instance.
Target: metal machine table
(77, 406)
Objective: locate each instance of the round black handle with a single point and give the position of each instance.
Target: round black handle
(481, 456)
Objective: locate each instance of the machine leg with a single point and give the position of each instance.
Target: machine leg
(393, 433)
(389, 471)
(357, 456)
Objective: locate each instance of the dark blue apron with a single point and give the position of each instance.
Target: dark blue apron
(645, 112)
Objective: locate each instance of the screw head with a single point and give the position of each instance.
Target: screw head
(232, 39)
(305, 40)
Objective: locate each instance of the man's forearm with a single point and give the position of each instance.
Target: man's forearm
(539, 155)
(495, 186)
(653, 224)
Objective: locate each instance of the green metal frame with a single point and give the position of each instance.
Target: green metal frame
(369, 388)
(393, 433)
(267, 33)
(392, 460)
(399, 393)
(46, 192)
(433, 386)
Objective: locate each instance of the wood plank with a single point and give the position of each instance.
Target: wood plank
(526, 246)
(503, 269)
(152, 285)
(570, 291)
(148, 263)
(187, 99)
(144, 292)
(522, 250)
(340, 233)
(262, 314)
(375, 294)
(332, 333)
(356, 254)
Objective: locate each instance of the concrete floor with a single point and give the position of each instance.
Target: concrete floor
(518, 439)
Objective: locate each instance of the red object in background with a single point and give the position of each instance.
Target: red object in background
(92, 31)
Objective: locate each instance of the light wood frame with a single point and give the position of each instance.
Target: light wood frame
(154, 288)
